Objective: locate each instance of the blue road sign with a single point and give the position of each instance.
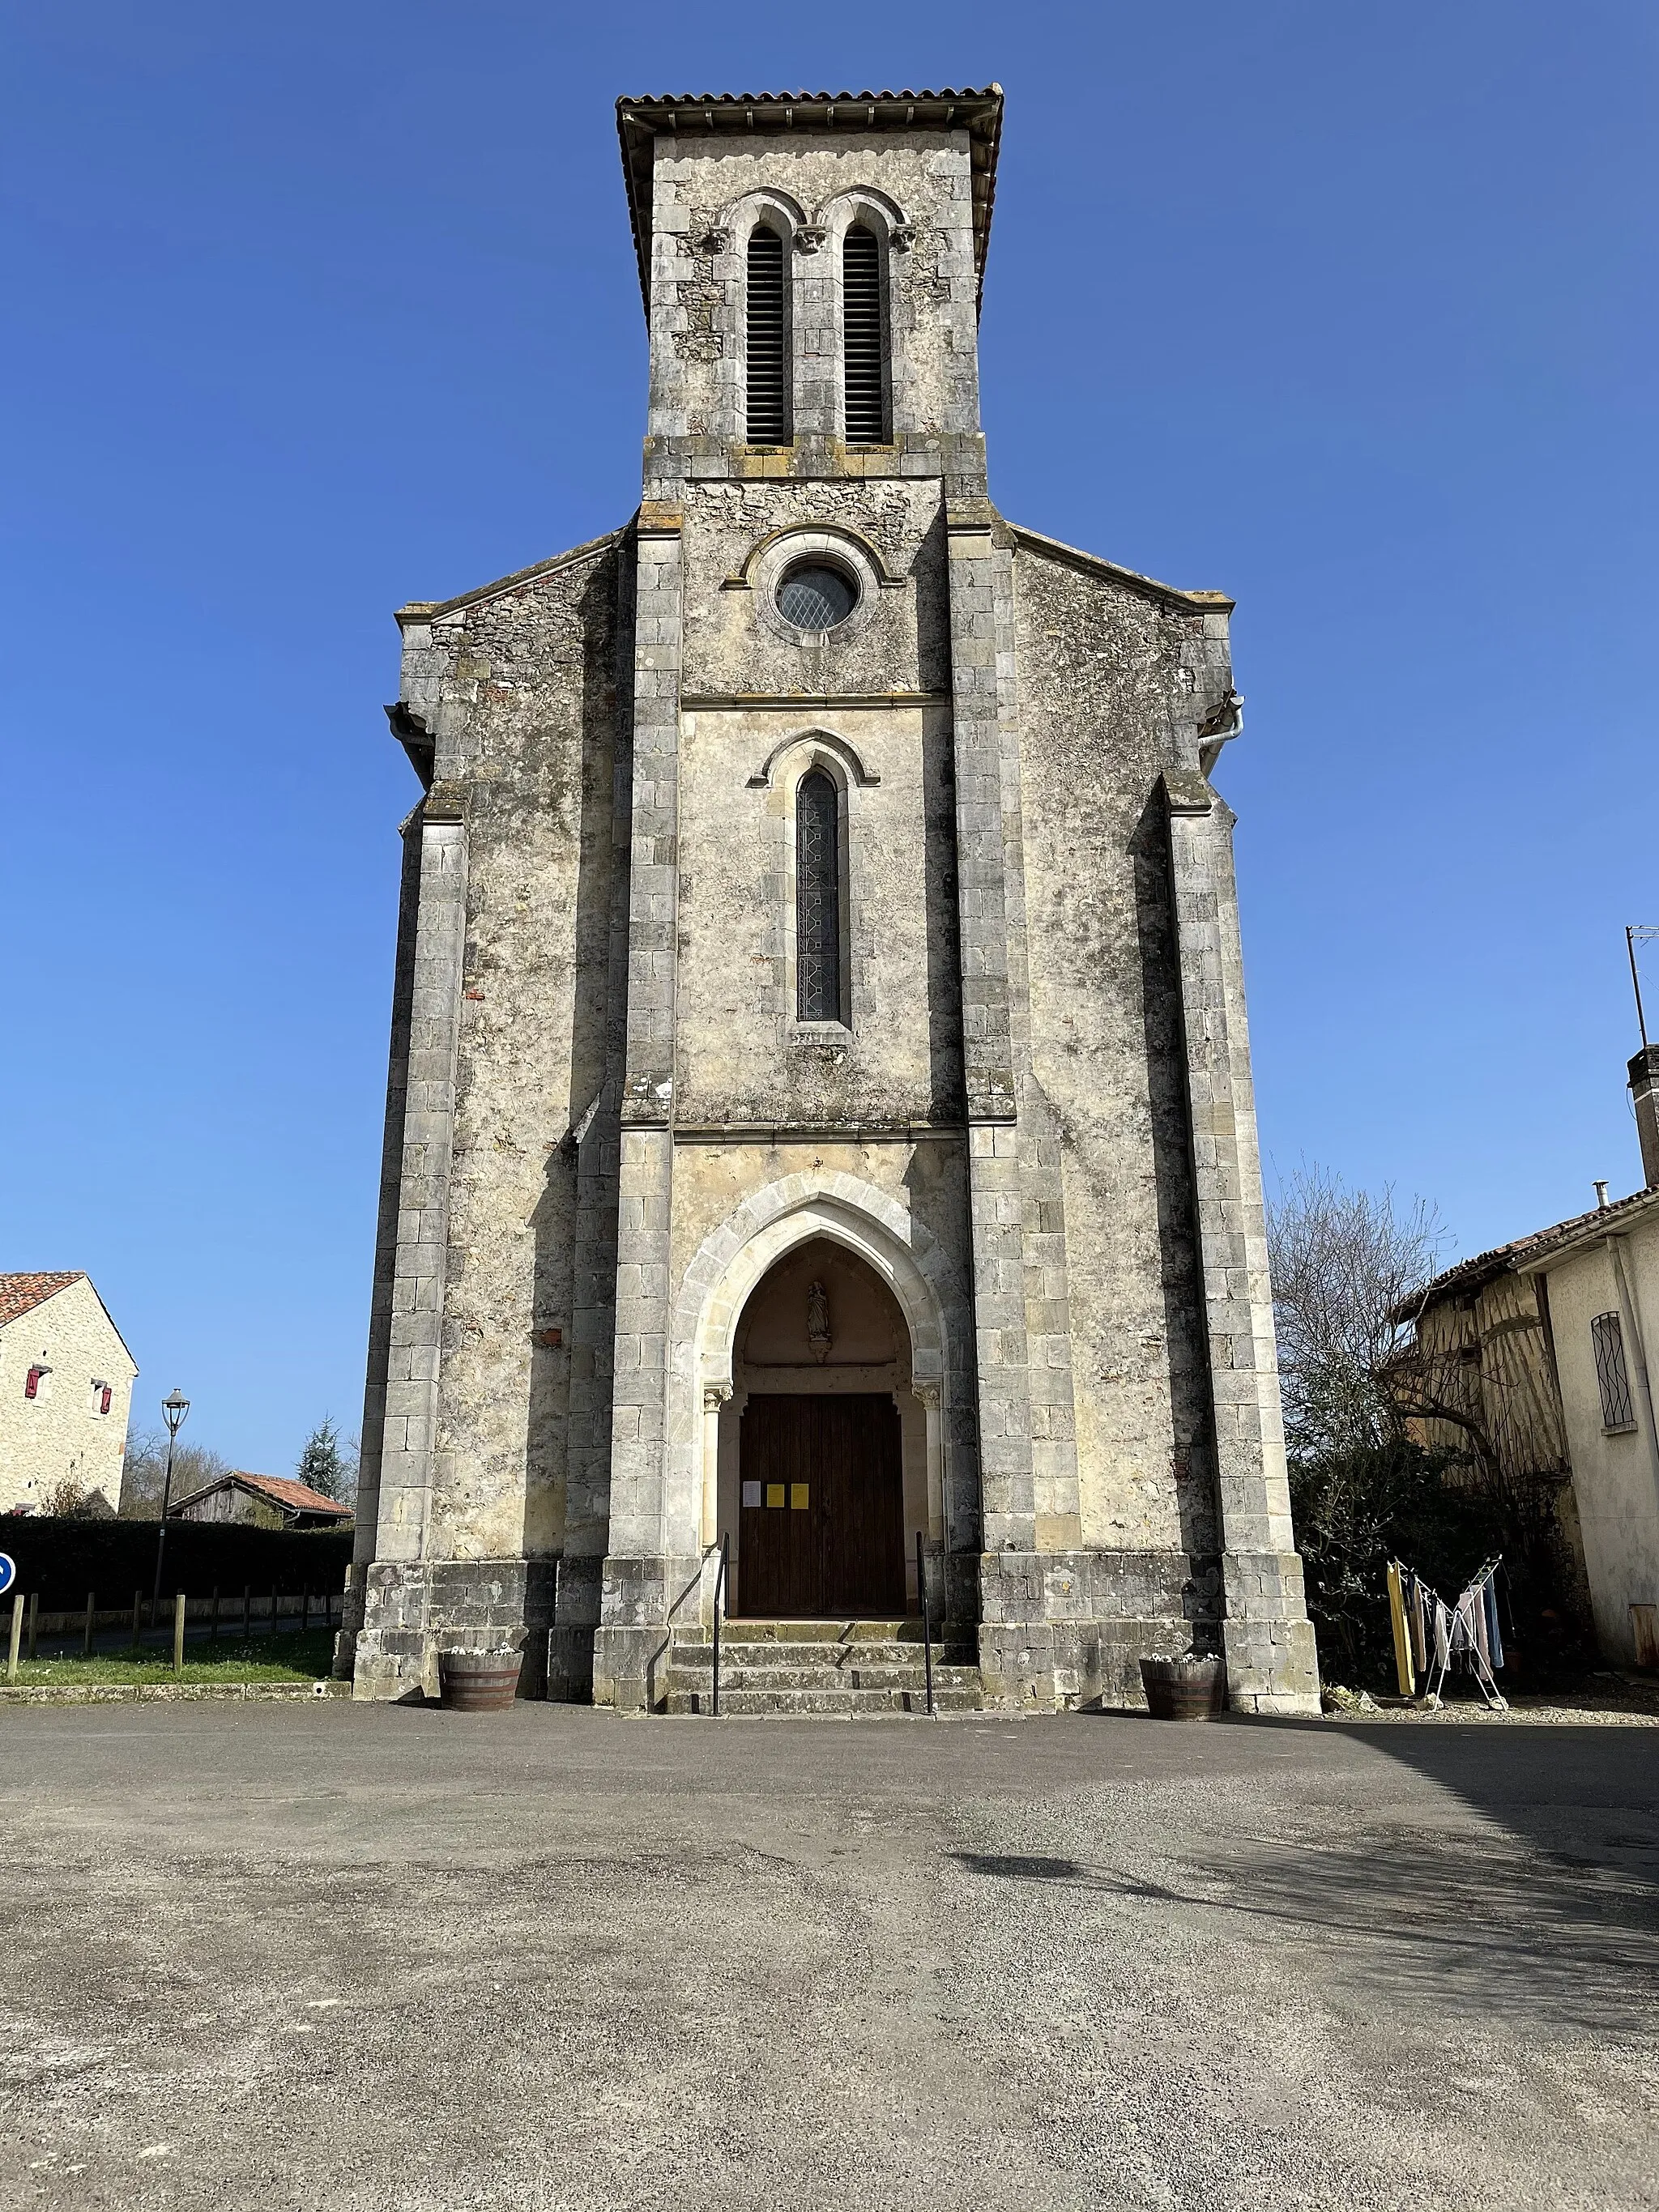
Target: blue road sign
(8, 1573)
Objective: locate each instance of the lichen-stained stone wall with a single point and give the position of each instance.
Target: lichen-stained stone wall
(708, 194)
(1106, 675)
(521, 690)
(896, 640)
(742, 1055)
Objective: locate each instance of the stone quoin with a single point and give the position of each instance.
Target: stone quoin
(820, 1110)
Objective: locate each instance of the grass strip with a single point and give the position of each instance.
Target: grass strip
(261, 1659)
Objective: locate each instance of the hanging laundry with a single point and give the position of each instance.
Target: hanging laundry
(1417, 1616)
(1431, 1637)
(1402, 1648)
(1494, 1633)
(1476, 1598)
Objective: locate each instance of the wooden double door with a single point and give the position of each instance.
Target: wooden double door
(821, 1532)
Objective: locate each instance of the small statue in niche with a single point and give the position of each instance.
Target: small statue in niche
(817, 1322)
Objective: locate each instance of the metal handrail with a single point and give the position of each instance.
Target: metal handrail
(926, 1621)
(721, 1573)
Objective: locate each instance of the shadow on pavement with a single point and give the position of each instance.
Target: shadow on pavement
(1545, 1905)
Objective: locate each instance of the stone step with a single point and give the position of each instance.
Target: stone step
(782, 1675)
(743, 1652)
(843, 1704)
(734, 1629)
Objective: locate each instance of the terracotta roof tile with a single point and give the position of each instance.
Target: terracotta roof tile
(1469, 1274)
(18, 1293)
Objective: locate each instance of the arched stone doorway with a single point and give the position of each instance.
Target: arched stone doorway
(824, 1459)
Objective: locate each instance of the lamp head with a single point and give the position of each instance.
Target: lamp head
(174, 1409)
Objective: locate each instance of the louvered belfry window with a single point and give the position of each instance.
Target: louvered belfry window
(768, 395)
(862, 350)
(817, 900)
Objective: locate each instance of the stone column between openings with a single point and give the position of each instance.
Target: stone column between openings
(1272, 1665)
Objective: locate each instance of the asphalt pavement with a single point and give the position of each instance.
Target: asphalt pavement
(349, 1957)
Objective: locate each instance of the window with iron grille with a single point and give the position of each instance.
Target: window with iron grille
(1608, 1336)
(769, 393)
(817, 899)
(862, 351)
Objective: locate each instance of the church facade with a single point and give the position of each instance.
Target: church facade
(820, 1168)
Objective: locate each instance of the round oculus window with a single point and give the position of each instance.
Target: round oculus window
(814, 596)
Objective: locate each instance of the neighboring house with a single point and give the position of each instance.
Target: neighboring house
(65, 1392)
(263, 1501)
(1536, 1354)
(1599, 1279)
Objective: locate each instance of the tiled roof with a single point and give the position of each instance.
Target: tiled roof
(282, 1490)
(19, 1293)
(640, 120)
(1469, 1274)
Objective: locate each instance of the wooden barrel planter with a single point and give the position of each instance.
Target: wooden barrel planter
(478, 1681)
(1184, 1689)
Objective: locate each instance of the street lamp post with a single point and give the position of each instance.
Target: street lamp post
(174, 1409)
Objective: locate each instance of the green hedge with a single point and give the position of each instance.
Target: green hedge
(63, 1559)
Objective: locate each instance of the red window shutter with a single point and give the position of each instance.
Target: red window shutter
(31, 1382)
(104, 1403)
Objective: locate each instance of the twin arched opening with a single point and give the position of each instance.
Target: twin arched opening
(768, 322)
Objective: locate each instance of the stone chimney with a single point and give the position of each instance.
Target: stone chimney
(1644, 1091)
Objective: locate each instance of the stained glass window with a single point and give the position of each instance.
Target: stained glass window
(817, 900)
(816, 597)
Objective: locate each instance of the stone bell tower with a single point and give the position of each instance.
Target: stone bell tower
(820, 1128)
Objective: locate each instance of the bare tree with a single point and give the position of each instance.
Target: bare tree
(1345, 1263)
(143, 1472)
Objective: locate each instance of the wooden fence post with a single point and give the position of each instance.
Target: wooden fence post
(273, 1609)
(213, 1632)
(305, 1609)
(247, 1611)
(92, 1606)
(34, 1623)
(137, 1616)
(16, 1638)
(179, 1632)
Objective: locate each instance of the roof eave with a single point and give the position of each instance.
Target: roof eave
(414, 612)
(640, 121)
(1094, 564)
(1610, 1221)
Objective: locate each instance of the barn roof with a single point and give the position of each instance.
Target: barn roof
(282, 1490)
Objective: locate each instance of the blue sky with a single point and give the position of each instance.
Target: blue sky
(1349, 311)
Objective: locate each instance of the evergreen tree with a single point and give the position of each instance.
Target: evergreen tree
(327, 1464)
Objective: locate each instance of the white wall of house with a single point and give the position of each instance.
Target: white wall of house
(62, 1432)
(1615, 1466)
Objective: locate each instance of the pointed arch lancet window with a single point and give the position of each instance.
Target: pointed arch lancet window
(768, 421)
(862, 350)
(817, 899)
